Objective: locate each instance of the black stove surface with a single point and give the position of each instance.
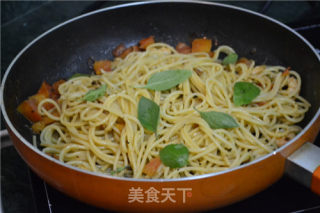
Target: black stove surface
(23, 191)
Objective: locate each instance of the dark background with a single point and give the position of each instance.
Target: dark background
(23, 21)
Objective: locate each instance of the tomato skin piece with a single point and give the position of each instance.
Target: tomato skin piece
(151, 168)
(103, 64)
(129, 50)
(286, 72)
(45, 89)
(29, 109)
(144, 43)
(38, 126)
(245, 61)
(201, 45)
(183, 48)
(118, 50)
(37, 98)
(55, 86)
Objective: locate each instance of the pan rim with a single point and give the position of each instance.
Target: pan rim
(100, 175)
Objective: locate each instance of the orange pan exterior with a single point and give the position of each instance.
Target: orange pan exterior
(199, 193)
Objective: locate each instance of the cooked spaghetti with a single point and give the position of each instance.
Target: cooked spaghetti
(106, 136)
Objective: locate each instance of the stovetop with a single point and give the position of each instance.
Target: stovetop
(23, 191)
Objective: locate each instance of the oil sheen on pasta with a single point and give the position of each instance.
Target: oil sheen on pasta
(105, 135)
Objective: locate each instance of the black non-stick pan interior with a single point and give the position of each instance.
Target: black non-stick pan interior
(66, 50)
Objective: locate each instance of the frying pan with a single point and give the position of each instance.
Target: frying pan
(65, 50)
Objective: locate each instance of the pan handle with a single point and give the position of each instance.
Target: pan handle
(304, 166)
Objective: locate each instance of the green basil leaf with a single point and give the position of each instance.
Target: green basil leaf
(218, 120)
(244, 93)
(79, 75)
(230, 59)
(118, 170)
(148, 114)
(93, 95)
(167, 79)
(174, 155)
